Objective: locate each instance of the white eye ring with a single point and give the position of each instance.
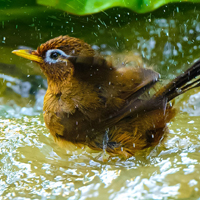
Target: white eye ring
(48, 56)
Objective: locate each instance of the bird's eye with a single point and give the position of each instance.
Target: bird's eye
(54, 55)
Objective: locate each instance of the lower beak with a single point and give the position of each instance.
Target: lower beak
(28, 54)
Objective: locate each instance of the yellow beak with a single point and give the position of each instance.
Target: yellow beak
(25, 53)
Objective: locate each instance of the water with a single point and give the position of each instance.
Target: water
(32, 166)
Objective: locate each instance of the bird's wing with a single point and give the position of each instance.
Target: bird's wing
(134, 102)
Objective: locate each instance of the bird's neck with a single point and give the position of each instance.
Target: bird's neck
(56, 86)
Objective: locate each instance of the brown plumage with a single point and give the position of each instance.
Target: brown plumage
(90, 102)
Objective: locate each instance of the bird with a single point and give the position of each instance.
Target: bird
(93, 102)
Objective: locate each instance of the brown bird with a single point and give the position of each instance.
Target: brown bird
(90, 102)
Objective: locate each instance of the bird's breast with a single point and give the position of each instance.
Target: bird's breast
(65, 120)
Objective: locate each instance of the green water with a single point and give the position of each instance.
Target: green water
(32, 166)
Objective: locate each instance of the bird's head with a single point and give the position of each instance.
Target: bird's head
(57, 56)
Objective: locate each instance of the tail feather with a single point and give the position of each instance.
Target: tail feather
(181, 83)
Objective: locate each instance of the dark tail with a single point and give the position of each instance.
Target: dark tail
(181, 83)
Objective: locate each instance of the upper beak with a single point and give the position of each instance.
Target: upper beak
(28, 54)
